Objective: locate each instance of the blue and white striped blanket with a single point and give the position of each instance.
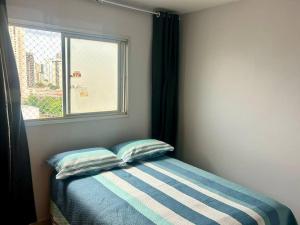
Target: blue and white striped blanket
(165, 191)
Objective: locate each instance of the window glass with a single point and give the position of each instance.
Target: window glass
(81, 75)
(39, 62)
(94, 76)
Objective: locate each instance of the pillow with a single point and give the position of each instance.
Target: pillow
(83, 162)
(141, 149)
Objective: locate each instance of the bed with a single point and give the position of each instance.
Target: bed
(163, 191)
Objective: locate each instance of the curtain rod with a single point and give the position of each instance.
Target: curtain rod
(127, 7)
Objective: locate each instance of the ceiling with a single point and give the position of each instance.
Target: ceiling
(179, 6)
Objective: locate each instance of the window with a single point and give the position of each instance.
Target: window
(66, 75)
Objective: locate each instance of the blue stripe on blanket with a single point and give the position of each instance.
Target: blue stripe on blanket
(86, 202)
(283, 212)
(267, 209)
(240, 216)
(225, 195)
(169, 202)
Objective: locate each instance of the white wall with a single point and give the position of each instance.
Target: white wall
(240, 95)
(86, 14)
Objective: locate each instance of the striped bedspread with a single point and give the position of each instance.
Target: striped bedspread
(165, 191)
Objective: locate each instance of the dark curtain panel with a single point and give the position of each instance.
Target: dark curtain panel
(15, 162)
(165, 59)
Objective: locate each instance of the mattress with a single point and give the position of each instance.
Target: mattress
(163, 191)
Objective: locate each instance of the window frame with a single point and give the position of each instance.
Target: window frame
(123, 46)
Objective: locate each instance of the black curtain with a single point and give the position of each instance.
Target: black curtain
(15, 162)
(165, 59)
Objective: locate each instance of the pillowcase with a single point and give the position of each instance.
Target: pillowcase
(141, 149)
(83, 162)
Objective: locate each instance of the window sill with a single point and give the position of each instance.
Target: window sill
(33, 123)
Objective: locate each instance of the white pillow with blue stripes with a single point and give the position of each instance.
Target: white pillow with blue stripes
(84, 162)
(141, 149)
